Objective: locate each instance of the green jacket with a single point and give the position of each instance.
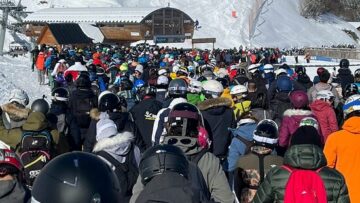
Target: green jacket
(12, 118)
(308, 157)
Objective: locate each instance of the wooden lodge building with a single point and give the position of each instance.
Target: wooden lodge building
(117, 25)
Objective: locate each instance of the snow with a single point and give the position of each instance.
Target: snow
(92, 32)
(16, 73)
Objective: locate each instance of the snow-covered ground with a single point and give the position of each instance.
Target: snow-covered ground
(16, 73)
(280, 23)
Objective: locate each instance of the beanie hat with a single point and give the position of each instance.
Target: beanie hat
(309, 121)
(105, 128)
(140, 69)
(306, 135)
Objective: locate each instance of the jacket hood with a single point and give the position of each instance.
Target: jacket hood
(305, 156)
(246, 131)
(297, 112)
(83, 94)
(177, 101)
(213, 103)
(283, 97)
(352, 125)
(14, 115)
(35, 122)
(322, 86)
(319, 105)
(344, 71)
(117, 146)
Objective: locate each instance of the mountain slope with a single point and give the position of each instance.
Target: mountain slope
(279, 25)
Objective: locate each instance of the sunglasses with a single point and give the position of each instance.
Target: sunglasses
(182, 141)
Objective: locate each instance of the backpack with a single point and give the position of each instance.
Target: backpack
(35, 152)
(304, 186)
(53, 62)
(127, 172)
(82, 112)
(172, 187)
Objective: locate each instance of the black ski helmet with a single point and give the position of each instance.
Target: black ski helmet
(161, 159)
(266, 133)
(60, 94)
(83, 81)
(40, 105)
(125, 84)
(76, 177)
(177, 88)
(344, 63)
(108, 101)
(350, 90)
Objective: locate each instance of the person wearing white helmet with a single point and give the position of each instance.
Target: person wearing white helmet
(341, 148)
(193, 95)
(162, 84)
(13, 116)
(239, 95)
(323, 110)
(218, 117)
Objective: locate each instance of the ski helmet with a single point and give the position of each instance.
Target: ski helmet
(108, 101)
(177, 88)
(309, 121)
(83, 81)
(9, 161)
(146, 91)
(139, 83)
(239, 90)
(351, 89)
(268, 68)
(344, 63)
(253, 68)
(161, 159)
(162, 71)
(280, 71)
(125, 84)
(284, 84)
(325, 95)
(351, 105)
(299, 99)
(300, 70)
(60, 94)
(182, 71)
(19, 96)
(162, 81)
(212, 89)
(40, 105)
(72, 178)
(266, 133)
(195, 86)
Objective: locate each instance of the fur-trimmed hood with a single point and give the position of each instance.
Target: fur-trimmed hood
(212, 103)
(297, 112)
(14, 115)
(119, 144)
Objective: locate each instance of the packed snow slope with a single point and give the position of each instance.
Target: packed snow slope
(279, 24)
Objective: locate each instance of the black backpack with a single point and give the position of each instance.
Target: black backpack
(35, 152)
(126, 172)
(81, 111)
(174, 188)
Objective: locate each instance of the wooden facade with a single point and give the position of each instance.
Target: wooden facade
(164, 21)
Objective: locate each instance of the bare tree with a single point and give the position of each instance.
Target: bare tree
(313, 8)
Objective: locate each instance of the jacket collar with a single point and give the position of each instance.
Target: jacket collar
(305, 156)
(212, 103)
(297, 112)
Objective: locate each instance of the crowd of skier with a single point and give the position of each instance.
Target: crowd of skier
(151, 124)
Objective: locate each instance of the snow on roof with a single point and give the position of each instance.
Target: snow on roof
(355, 24)
(91, 15)
(92, 32)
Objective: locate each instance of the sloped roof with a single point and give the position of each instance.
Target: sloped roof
(355, 24)
(90, 15)
(69, 33)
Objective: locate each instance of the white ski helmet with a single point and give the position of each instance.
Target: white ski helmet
(19, 96)
(279, 71)
(268, 68)
(212, 89)
(325, 94)
(253, 68)
(195, 86)
(162, 71)
(162, 80)
(175, 68)
(351, 104)
(239, 90)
